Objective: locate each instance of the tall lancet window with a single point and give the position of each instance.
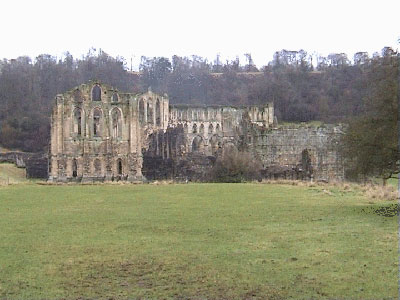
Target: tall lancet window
(150, 112)
(158, 113)
(96, 122)
(78, 122)
(96, 93)
(116, 123)
(114, 97)
(141, 112)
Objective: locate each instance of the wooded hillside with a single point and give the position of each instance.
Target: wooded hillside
(331, 92)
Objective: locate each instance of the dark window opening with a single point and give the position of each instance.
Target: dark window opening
(197, 144)
(96, 93)
(202, 128)
(119, 167)
(141, 111)
(114, 97)
(116, 124)
(74, 168)
(211, 129)
(158, 113)
(78, 122)
(96, 122)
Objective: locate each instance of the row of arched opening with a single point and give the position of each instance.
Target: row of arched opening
(195, 114)
(198, 145)
(97, 168)
(96, 122)
(147, 113)
(200, 129)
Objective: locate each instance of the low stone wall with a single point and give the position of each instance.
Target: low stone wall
(190, 167)
(303, 153)
(308, 152)
(15, 157)
(36, 164)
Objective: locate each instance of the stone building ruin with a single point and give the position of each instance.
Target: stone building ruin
(101, 134)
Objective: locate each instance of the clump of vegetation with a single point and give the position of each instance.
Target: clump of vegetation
(370, 145)
(371, 190)
(236, 166)
(379, 192)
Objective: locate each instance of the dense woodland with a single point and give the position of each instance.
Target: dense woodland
(333, 91)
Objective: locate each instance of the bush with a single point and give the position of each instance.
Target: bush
(236, 166)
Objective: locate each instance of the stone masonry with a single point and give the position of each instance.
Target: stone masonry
(101, 134)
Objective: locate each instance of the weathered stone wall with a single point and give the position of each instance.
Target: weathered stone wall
(15, 157)
(36, 164)
(290, 153)
(308, 151)
(98, 133)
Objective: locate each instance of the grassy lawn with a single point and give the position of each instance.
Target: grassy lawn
(214, 241)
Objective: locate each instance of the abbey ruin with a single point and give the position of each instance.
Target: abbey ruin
(101, 134)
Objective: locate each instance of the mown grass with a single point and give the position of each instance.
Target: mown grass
(197, 241)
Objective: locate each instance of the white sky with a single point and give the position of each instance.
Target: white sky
(202, 27)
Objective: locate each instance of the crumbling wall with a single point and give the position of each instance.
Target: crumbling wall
(169, 157)
(36, 164)
(298, 152)
(286, 152)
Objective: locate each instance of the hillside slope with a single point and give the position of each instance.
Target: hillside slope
(9, 173)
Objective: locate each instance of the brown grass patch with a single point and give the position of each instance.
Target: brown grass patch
(149, 278)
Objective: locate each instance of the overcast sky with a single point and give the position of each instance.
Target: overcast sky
(201, 27)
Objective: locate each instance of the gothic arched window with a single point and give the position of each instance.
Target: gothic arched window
(210, 129)
(96, 93)
(197, 144)
(201, 129)
(116, 123)
(78, 122)
(114, 97)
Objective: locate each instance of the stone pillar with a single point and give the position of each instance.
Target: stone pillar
(60, 126)
(154, 101)
(271, 113)
(145, 110)
(132, 119)
(69, 168)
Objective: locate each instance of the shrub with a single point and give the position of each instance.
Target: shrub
(236, 166)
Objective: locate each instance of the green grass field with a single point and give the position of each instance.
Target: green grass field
(197, 241)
